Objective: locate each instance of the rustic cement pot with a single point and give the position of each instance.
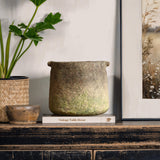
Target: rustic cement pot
(78, 88)
(13, 91)
(23, 114)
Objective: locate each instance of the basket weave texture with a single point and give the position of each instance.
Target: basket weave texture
(13, 92)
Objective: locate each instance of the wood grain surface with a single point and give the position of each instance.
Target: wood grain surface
(45, 155)
(121, 141)
(129, 135)
(127, 155)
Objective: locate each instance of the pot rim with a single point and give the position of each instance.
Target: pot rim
(23, 106)
(50, 63)
(15, 78)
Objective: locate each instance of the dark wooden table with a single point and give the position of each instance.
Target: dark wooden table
(123, 141)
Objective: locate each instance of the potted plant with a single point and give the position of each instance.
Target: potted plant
(15, 90)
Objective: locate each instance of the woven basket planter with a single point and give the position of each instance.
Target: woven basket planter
(13, 91)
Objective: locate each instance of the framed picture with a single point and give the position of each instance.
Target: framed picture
(140, 59)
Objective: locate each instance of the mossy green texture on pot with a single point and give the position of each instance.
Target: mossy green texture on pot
(78, 88)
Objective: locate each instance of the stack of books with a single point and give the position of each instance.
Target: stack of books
(103, 118)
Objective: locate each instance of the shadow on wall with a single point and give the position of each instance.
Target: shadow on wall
(39, 94)
(11, 3)
(117, 70)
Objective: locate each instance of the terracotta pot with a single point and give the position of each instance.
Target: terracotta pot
(78, 88)
(23, 114)
(13, 91)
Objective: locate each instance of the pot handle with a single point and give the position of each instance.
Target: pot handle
(50, 63)
(107, 63)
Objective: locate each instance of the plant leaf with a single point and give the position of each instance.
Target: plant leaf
(41, 26)
(32, 35)
(10, 69)
(15, 30)
(2, 47)
(1, 71)
(36, 43)
(38, 2)
(7, 52)
(22, 25)
(53, 18)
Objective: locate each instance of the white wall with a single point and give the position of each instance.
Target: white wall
(89, 31)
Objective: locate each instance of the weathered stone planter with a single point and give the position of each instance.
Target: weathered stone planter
(78, 88)
(13, 91)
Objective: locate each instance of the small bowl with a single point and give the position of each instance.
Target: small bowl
(23, 114)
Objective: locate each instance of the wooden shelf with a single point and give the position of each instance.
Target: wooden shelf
(98, 139)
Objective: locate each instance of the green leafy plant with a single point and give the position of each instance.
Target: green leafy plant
(25, 33)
